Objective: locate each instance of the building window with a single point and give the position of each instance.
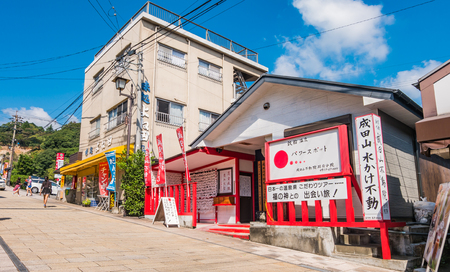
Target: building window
(172, 56)
(169, 113)
(209, 70)
(95, 129)
(206, 119)
(98, 82)
(117, 116)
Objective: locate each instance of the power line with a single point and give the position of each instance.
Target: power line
(344, 26)
(106, 14)
(101, 16)
(29, 77)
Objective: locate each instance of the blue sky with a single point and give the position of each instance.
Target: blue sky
(384, 45)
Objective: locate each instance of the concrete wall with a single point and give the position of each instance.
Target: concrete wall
(318, 240)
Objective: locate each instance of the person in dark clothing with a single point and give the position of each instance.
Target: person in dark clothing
(46, 189)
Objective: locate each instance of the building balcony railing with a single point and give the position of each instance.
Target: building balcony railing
(210, 73)
(169, 58)
(203, 126)
(165, 118)
(180, 21)
(115, 122)
(94, 133)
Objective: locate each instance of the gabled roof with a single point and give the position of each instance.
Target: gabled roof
(367, 91)
(432, 72)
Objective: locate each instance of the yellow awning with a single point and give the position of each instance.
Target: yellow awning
(73, 168)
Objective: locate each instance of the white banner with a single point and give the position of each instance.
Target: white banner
(313, 154)
(372, 168)
(327, 189)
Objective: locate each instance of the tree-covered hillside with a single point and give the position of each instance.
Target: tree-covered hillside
(44, 143)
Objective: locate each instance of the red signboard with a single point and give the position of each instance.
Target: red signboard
(103, 178)
(318, 154)
(181, 141)
(161, 178)
(59, 160)
(147, 175)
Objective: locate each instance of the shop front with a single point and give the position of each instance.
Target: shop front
(220, 190)
(90, 177)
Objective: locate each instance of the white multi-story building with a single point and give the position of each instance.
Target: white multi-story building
(179, 75)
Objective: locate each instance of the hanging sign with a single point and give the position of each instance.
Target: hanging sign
(181, 141)
(312, 154)
(147, 175)
(59, 160)
(327, 189)
(111, 158)
(372, 168)
(103, 178)
(161, 178)
(438, 228)
(167, 212)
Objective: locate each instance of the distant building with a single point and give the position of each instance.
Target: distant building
(180, 77)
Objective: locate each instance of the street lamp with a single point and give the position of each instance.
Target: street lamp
(120, 85)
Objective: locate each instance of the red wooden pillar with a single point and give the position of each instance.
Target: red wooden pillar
(238, 200)
(182, 198)
(291, 209)
(384, 235)
(177, 198)
(194, 204)
(349, 201)
(148, 201)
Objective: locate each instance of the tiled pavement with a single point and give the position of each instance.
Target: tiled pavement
(66, 237)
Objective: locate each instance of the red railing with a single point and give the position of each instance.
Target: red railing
(283, 213)
(186, 202)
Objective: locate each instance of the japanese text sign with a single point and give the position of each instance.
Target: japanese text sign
(372, 168)
(327, 189)
(103, 178)
(181, 141)
(111, 158)
(225, 181)
(161, 178)
(147, 175)
(313, 154)
(59, 160)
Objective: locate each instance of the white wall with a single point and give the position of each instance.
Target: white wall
(442, 95)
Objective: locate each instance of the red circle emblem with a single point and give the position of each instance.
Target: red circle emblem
(281, 159)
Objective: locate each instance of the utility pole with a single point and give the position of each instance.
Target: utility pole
(16, 119)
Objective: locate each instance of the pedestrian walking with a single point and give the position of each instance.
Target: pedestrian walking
(46, 189)
(29, 186)
(16, 189)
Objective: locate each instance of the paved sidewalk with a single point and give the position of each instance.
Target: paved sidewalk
(66, 237)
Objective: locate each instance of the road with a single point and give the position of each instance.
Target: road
(67, 237)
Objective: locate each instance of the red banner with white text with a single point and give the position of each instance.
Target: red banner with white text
(103, 178)
(59, 160)
(147, 174)
(181, 141)
(161, 178)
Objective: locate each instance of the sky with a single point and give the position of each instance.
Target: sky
(47, 44)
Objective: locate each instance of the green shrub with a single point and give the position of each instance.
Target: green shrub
(133, 182)
(22, 180)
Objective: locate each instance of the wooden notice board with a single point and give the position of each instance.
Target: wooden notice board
(167, 212)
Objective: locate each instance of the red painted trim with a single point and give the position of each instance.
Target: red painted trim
(194, 208)
(238, 199)
(228, 153)
(385, 248)
(350, 213)
(253, 197)
(367, 224)
(211, 164)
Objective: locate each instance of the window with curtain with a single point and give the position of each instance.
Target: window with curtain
(95, 129)
(209, 70)
(206, 119)
(117, 116)
(172, 56)
(169, 112)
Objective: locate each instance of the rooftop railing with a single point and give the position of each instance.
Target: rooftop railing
(179, 21)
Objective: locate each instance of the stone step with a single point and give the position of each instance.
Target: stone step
(366, 250)
(245, 236)
(354, 239)
(400, 263)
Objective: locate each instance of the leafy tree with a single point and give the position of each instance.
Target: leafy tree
(49, 129)
(133, 182)
(25, 165)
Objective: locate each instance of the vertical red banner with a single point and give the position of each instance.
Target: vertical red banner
(103, 178)
(59, 160)
(161, 178)
(147, 175)
(181, 141)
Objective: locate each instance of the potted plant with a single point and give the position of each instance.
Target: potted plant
(86, 202)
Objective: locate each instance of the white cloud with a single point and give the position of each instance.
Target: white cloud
(403, 80)
(34, 115)
(338, 53)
